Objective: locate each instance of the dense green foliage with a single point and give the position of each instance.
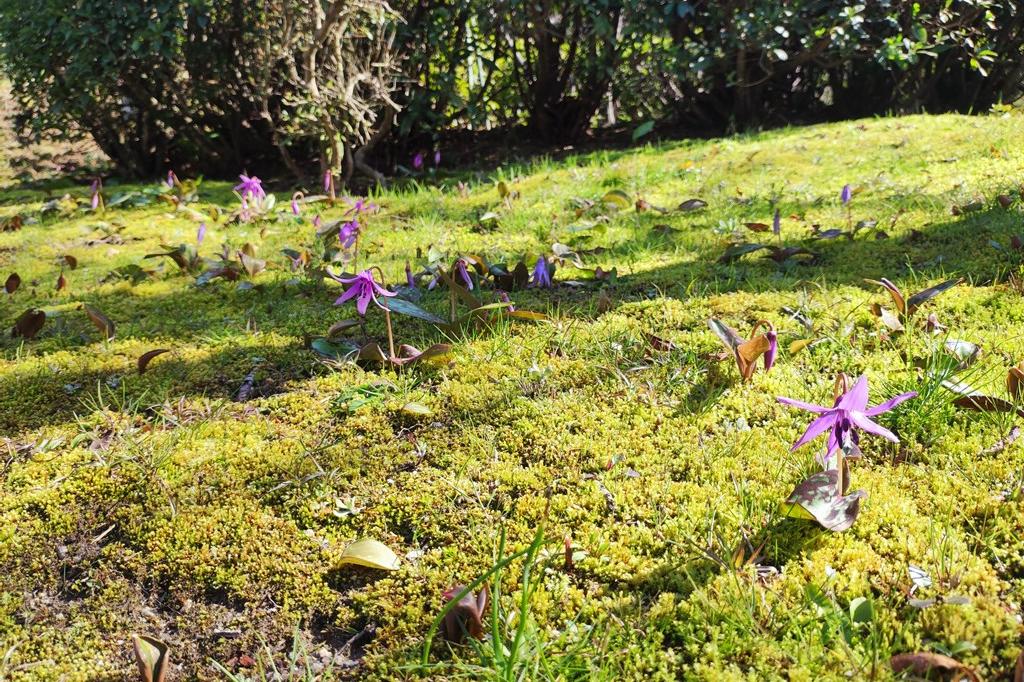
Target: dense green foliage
(216, 86)
(199, 85)
(167, 504)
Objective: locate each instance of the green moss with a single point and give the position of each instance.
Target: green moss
(157, 503)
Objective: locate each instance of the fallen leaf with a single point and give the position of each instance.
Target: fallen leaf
(798, 345)
(972, 399)
(28, 323)
(964, 351)
(888, 317)
(757, 227)
(12, 283)
(101, 321)
(71, 261)
(692, 205)
(371, 554)
(737, 251)
(923, 662)
(62, 282)
(343, 327)
(148, 356)
(658, 343)
(618, 198)
(418, 410)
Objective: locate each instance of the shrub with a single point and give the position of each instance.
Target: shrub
(202, 85)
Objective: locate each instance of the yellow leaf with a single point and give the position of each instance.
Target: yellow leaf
(371, 554)
(798, 345)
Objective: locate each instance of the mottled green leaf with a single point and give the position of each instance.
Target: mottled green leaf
(404, 307)
(816, 498)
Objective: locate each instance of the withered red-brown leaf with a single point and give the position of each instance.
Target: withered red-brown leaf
(101, 321)
(71, 261)
(894, 292)
(924, 662)
(12, 283)
(62, 282)
(12, 224)
(28, 323)
(148, 356)
(658, 343)
(757, 227)
(465, 617)
(1005, 200)
(342, 327)
(1015, 382)
(748, 352)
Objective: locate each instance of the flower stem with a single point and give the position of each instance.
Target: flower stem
(839, 472)
(391, 336)
(451, 303)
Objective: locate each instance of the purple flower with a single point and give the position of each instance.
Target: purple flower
(327, 180)
(777, 223)
(773, 348)
(409, 279)
(846, 194)
(200, 234)
(364, 289)
(417, 161)
(849, 412)
(359, 206)
(503, 297)
(95, 189)
(250, 187)
(541, 274)
(437, 158)
(317, 221)
(172, 179)
(296, 211)
(348, 234)
(462, 273)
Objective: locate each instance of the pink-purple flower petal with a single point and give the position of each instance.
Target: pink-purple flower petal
(815, 429)
(857, 397)
(889, 404)
(817, 409)
(865, 424)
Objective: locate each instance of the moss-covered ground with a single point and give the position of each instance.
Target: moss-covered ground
(162, 504)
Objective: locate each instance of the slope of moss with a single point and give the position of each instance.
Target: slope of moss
(158, 503)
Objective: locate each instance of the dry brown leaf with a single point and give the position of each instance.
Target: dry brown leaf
(148, 356)
(102, 322)
(29, 323)
(748, 352)
(922, 662)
